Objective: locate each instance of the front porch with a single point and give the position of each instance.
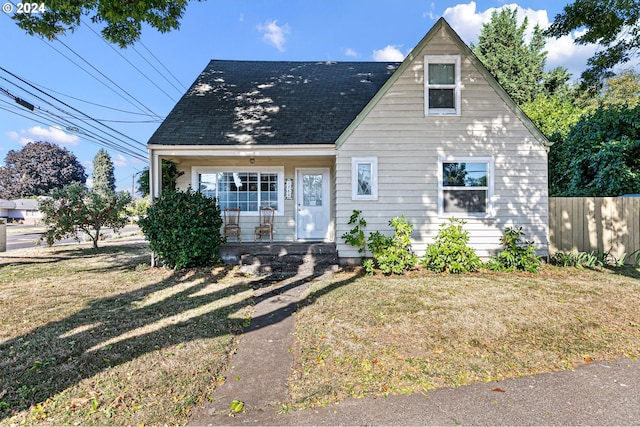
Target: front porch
(281, 258)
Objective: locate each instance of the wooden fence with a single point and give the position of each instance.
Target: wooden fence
(588, 224)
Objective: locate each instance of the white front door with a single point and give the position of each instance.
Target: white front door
(312, 204)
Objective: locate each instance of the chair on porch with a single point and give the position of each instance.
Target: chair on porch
(266, 224)
(232, 223)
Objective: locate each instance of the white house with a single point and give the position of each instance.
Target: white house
(430, 138)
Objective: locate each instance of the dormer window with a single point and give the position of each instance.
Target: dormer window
(442, 85)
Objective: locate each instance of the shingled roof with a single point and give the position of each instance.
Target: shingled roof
(258, 102)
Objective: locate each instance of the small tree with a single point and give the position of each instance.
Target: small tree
(183, 229)
(104, 182)
(74, 209)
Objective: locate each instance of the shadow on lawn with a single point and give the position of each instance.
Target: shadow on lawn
(58, 355)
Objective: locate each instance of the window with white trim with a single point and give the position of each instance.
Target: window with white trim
(364, 178)
(465, 187)
(246, 188)
(442, 85)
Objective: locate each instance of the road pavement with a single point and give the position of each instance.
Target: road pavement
(21, 236)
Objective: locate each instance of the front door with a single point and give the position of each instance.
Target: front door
(312, 203)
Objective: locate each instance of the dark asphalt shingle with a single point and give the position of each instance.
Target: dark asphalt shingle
(257, 102)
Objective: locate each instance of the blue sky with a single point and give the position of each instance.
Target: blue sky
(123, 91)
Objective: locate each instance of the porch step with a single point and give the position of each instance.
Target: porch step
(287, 259)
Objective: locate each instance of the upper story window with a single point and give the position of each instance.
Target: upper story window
(247, 188)
(442, 85)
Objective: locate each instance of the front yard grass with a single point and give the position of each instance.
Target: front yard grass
(373, 336)
(98, 338)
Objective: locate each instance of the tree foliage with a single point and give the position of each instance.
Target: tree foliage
(620, 90)
(74, 209)
(37, 169)
(170, 174)
(610, 23)
(600, 155)
(104, 181)
(553, 115)
(183, 229)
(518, 66)
(123, 19)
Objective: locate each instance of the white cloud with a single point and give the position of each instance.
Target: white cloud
(467, 22)
(350, 52)
(275, 34)
(53, 134)
(388, 54)
(120, 161)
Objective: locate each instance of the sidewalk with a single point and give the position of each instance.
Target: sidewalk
(606, 393)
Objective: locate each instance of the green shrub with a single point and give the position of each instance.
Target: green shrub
(515, 254)
(183, 229)
(355, 236)
(393, 254)
(578, 259)
(450, 251)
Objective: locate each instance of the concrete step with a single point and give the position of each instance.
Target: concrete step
(286, 259)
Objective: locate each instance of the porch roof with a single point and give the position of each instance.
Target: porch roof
(251, 103)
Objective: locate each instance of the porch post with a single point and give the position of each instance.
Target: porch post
(155, 184)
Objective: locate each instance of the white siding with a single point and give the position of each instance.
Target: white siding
(408, 146)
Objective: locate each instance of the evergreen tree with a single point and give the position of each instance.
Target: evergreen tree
(104, 182)
(518, 66)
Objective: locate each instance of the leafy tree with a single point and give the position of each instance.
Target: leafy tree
(183, 229)
(600, 155)
(104, 182)
(623, 89)
(553, 114)
(610, 23)
(123, 19)
(37, 169)
(170, 175)
(518, 66)
(75, 209)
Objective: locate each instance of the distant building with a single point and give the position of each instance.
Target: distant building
(20, 210)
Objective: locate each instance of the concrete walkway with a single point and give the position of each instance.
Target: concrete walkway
(606, 393)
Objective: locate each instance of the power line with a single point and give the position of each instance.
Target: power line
(106, 77)
(133, 150)
(87, 135)
(184, 88)
(130, 63)
(180, 91)
(92, 103)
(97, 79)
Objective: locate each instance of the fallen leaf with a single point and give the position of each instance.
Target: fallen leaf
(498, 389)
(588, 360)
